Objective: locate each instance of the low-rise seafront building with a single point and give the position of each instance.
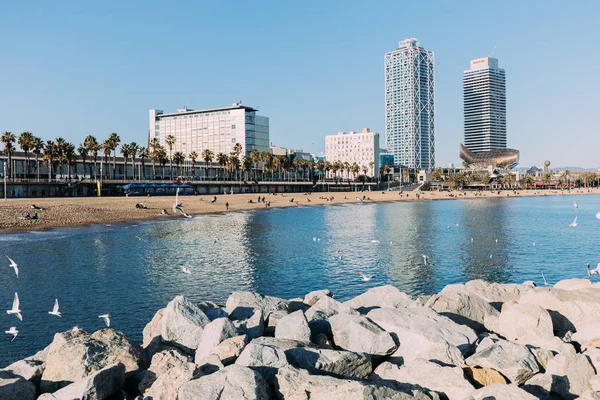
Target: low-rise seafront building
(361, 148)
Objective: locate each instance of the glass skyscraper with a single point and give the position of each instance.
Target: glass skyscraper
(484, 87)
(410, 105)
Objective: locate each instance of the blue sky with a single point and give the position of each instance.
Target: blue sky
(314, 67)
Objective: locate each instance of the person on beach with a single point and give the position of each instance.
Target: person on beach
(227, 205)
(35, 216)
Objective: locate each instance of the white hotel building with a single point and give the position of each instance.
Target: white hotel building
(217, 129)
(361, 148)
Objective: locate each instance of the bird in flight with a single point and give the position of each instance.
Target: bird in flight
(364, 277)
(185, 270)
(106, 318)
(425, 258)
(13, 265)
(595, 271)
(575, 205)
(574, 223)
(15, 308)
(375, 241)
(55, 309)
(12, 331)
(544, 278)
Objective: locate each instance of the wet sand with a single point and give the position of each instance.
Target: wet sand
(78, 211)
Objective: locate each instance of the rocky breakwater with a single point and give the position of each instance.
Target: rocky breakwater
(471, 341)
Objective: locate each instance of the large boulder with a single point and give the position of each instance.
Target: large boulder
(539, 386)
(480, 377)
(569, 309)
(213, 334)
(152, 331)
(493, 293)
(341, 364)
(318, 315)
(212, 310)
(242, 305)
(359, 334)
(30, 368)
(182, 324)
(15, 387)
(381, 297)
(423, 333)
(501, 392)
(168, 371)
(74, 355)
(266, 359)
(573, 284)
(293, 326)
(98, 386)
(571, 374)
(448, 380)
(463, 308)
(273, 319)
(311, 298)
(232, 382)
(513, 360)
(230, 349)
(588, 334)
(298, 384)
(253, 326)
(526, 323)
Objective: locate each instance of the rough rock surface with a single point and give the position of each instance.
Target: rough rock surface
(527, 323)
(513, 360)
(463, 308)
(73, 356)
(341, 364)
(266, 359)
(357, 333)
(213, 334)
(423, 333)
(168, 371)
(273, 319)
(381, 297)
(493, 293)
(152, 330)
(501, 392)
(448, 380)
(293, 326)
(242, 305)
(98, 386)
(182, 324)
(14, 387)
(311, 298)
(30, 368)
(232, 382)
(571, 373)
(230, 349)
(253, 326)
(573, 284)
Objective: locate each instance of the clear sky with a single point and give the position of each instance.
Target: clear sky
(314, 67)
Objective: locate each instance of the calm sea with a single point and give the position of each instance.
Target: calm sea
(130, 271)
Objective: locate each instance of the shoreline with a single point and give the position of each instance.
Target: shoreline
(78, 212)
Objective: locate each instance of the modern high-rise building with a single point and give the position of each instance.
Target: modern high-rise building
(484, 87)
(410, 105)
(217, 129)
(361, 148)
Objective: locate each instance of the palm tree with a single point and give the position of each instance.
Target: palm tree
(60, 150)
(193, 156)
(372, 168)
(161, 155)
(179, 158)
(143, 155)
(24, 142)
(364, 171)
(347, 167)
(83, 153)
(233, 162)
(237, 149)
(320, 167)
(304, 166)
(154, 145)
(91, 144)
(311, 167)
(107, 148)
(114, 141)
(255, 157)
(277, 165)
(328, 167)
(335, 167)
(125, 151)
(133, 151)
(50, 156)
(8, 139)
(37, 145)
(247, 165)
(295, 167)
(69, 156)
(222, 160)
(437, 174)
(265, 157)
(285, 164)
(355, 170)
(547, 178)
(170, 142)
(207, 156)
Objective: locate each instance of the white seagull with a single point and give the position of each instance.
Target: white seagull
(12, 331)
(375, 241)
(595, 271)
(544, 278)
(575, 205)
(574, 223)
(364, 277)
(106, 318)
(55, 309)
(15, 308)
(425, 258)
(13, 265)
(529, 283)
(471, 240)
(534, 243)
(314, 239)
(185, 270)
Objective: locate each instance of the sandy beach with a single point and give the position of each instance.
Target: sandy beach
(78, 211)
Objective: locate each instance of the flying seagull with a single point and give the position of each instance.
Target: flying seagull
(12, 331)
(13, 265)
(575, 205)
(574, 223)
(375, 241)
(544, 278)
(106, 318)
(425, 258)
(595, 271)
(55, 309)
(185, 270)
(364, 277)
(15, 308)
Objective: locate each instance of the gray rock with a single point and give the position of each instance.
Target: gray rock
(448, 380)
(493, 293)
(232, 382)
(588, 333)
(463, 308)
(168, 371)
(381, 297)
(571, 373)
(293, 326)
(589, 395)
(182, 324)
(539, 386)
(210, 365)
(283, 344)
(152, 330)
(273, 319)
(213, 334)
(212, 310)
(311, 298)
(230, 349)
(253, 327)
(593, 355)
(30, 368)
(341, 364)
(527, 323)
(14, 387)
(73, 356)
(297, 384)
(573, 284)
(264, 358)
(242, 305)
(513, 360)
(501, 392)
(318, 315)
(359, 334)
(98, 386)
(423, 333)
